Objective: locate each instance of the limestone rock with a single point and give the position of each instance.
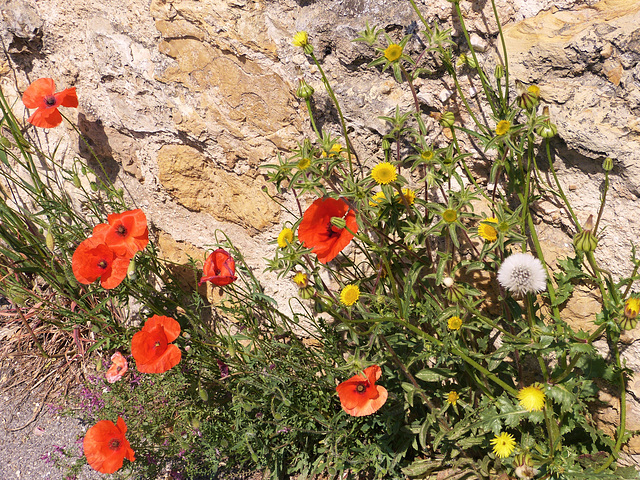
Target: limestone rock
(198, 185)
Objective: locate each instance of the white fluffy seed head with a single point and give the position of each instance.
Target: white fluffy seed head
(522, 273)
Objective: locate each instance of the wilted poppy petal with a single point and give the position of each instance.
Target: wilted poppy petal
(117, 369)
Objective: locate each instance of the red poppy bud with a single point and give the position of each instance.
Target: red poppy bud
(219, 268)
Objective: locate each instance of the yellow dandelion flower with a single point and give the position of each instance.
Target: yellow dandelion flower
(393, 52)
(301, 279)
(503, 444)
(349, 295)
(486, 231)
(454, 323)
(300, 39)
(304, 163)
(532, 398)
(285, 237)
(384, 173)
(334, 151)
(377, 199)
(534, 90)
(450, 215)
(632, 307)
(409, 194)
(453, 397)
(503, 127)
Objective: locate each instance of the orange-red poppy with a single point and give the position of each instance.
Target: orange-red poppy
(151, 347)
(126, 233)
(106, 447)
(219, 268)
(360, 395)
(41, 95)
(318, 233)
(118, 368)
(94, 259)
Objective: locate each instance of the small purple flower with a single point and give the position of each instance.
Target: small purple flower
(224, 369)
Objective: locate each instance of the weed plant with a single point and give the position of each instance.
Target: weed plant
(442, 328)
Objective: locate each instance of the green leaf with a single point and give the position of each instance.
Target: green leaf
(434, 374)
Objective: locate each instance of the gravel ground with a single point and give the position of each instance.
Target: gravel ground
(35, 438)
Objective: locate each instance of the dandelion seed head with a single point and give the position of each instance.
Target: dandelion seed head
(522, 273)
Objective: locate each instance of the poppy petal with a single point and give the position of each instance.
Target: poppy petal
(170, 325)
(35, 93)
(116, 274)
(371, 406)
(45, 118)
(67, 98)
(169, 359)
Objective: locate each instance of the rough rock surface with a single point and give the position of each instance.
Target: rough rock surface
(185, 100)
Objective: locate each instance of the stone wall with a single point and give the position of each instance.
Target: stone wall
(185, 100)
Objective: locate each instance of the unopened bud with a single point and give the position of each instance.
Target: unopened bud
(585, 241)
(607, 165)
(49, 241)
(447, 119)
(498, 72)
(471, 62)
(304, 90)
(529, 98)
(338, 222)
(131, 269)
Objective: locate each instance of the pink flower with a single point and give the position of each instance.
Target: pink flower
(118, 368)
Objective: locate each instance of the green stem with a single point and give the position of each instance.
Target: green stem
(505, 60)
(456, 351)
(483, 79)
(623, 416)
(466, 168)
(534, 336)
(343, 124)
(313, 122)
(604, 200)
(560, 191)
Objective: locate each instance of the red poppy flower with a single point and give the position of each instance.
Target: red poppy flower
(41, 95)
(219, 268)
(318, 233)
(93, 259)
(105, 446)
(117, 369)
(126, 233)
(151, 347)
(360, 395)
